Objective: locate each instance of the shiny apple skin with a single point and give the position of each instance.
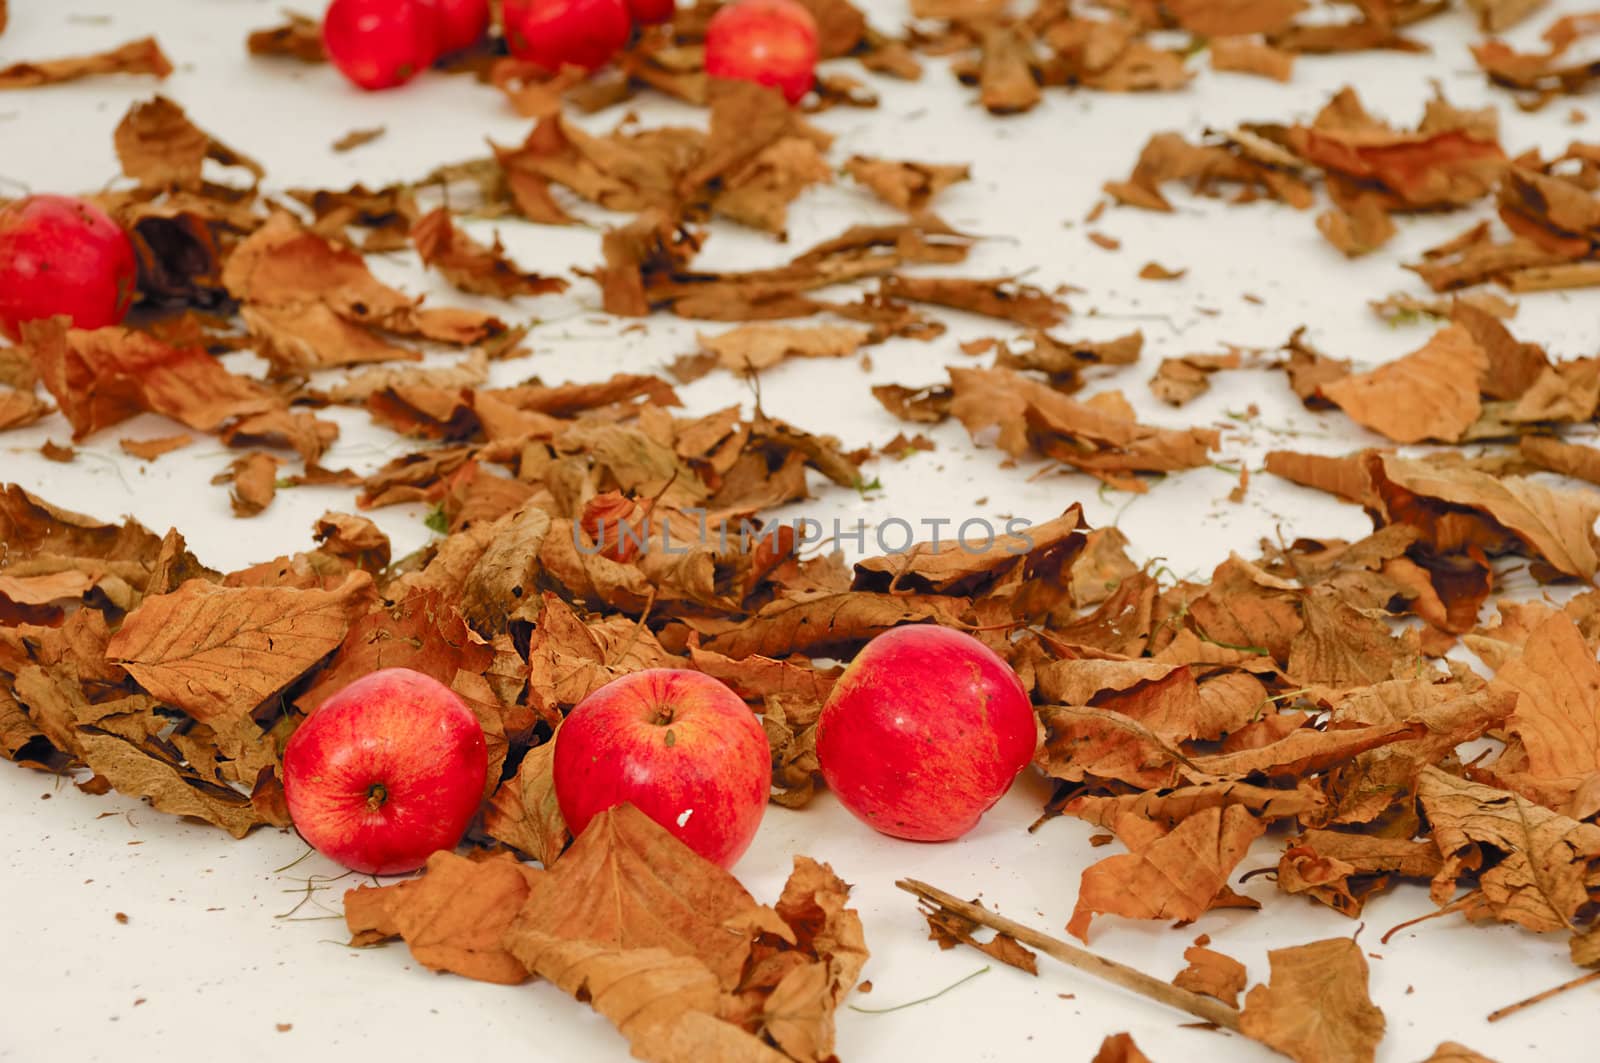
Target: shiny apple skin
(678, 745)
(61, 255)
(770, 42)
(925, 730)
(386, 772)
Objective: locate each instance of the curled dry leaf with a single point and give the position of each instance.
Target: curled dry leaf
(1212, 973)
(1032, 416)
(105, 376)
(20, 408)
(524, 814)
(160, 148)
(454, 917)
(910, 186)
(1003, 298)
(1544, 858)
(314, 304)
(298, 38)
(470, 266)
(950, 929)
(143, 56)
(254, 482)
(1181, 380)
(1315, 1007)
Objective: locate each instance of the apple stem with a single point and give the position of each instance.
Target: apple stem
(377, 794)
(1131, 978)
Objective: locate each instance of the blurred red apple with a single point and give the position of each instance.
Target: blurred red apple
(60, 255)
(770, 42)
(651, 12)
(557, 33)
(458, 24)
(386, 772)
(924, 732)
(680, 746)
(379, 44)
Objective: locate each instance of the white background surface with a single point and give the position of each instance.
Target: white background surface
(206, 964)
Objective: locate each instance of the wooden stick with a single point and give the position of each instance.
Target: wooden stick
(1208, 1008)
(1512, 1009)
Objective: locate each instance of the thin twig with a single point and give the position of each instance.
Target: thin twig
(923, 1000)
(1207, 1008)
(1512, 1009)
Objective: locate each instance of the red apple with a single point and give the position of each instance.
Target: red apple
(60, 255)
(651, 12)
(770, 42)
(458, 24)
(924, 732)
(378, 44)
(557, 33)
(386, 772)
(680, 746)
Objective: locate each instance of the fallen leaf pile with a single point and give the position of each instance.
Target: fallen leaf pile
(667, 946)
(1300, 696)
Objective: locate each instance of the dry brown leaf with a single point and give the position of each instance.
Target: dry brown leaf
(958, 567)
(1556, 681)
(1155, 271)
(910, 186)
(470, 266)
(1431, 393)
(143, 56)
(1033, 416)
(254, 482)
(151, 449)
(626, 884)
(524, 814)
(161, 149)
(1181, 380)
(314, 304)
(1556, 525)
(1451, 1052)
(454, 917)
(1531, 863)
(810, 622)
(752, 348)
(219, 652)
(1362, 228)
(1246, 55)
(105, 376)
(1180, 875)
(950, 929)
(1315, 1007)
(1212, 973)
(298, 38)
(19, 408)
(1003, 298)
(1119, 1048)
(1226, 18)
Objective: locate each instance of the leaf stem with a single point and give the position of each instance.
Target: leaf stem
(923, 1000)
(1208, 1008)
(1539, 998)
